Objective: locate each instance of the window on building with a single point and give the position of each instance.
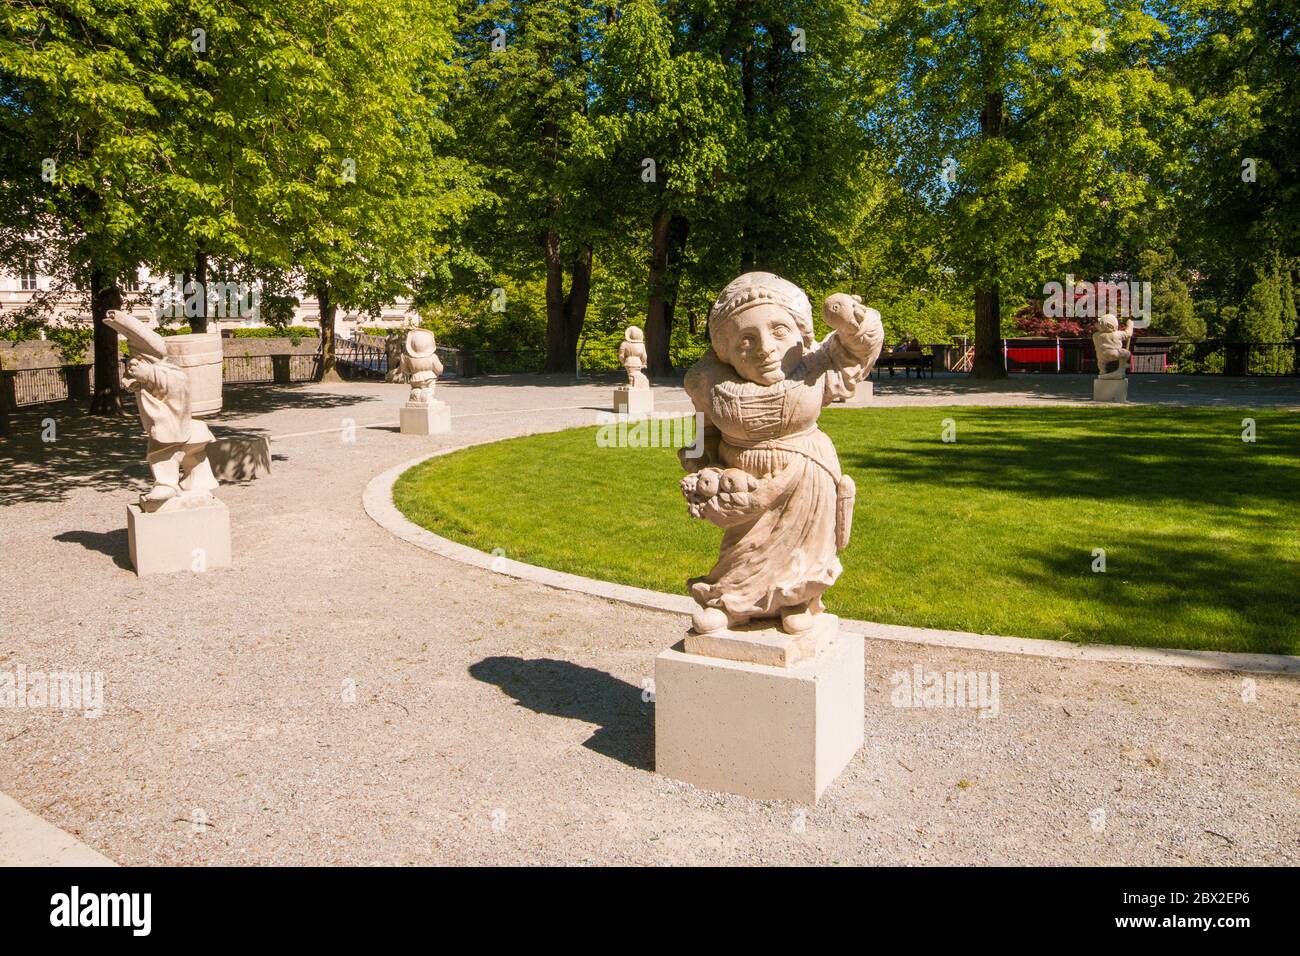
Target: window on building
(27, 277)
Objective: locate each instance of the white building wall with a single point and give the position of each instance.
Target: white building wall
(74, 309)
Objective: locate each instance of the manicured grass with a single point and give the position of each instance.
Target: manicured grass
(993, 533)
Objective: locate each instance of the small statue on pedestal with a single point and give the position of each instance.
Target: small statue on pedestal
(768, 476)
(422, 414)
(765, 695)
(633, 357)
(1111, 344)
(178, 443)
(421, 365)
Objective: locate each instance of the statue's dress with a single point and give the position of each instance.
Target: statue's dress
(785, 553)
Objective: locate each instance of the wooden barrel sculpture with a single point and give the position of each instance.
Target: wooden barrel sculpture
(200, 356)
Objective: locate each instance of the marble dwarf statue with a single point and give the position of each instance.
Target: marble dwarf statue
(421, 365)
(178, 443)
(768, 476)
(1111, 343)
(633, 357)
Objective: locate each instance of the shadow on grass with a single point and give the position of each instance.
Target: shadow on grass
(1152, 454)
(561, 689)
(1152, 579)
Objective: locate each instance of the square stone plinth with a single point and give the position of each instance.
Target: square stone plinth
(634, 402)
(863, 394)
(1110, 390)
(240, 459)
(431, 419)
(770, 733)
(187, 539)
(763, 643)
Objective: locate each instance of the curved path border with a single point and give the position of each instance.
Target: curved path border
(378, 502)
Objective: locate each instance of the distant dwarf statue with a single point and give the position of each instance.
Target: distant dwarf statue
(633, 357)
(178, 443)
(1111, 343)
(420, 365)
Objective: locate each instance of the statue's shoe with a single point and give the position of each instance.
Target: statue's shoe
(157, 497)
(160, 493)
(797, 621)
(709, 619)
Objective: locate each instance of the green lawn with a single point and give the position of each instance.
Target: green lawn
(993, 533)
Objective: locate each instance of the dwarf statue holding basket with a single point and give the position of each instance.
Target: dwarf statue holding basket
(768, 475)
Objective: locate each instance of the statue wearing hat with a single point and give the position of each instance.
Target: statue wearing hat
(420, 365)
(422, 414)
(178, 442)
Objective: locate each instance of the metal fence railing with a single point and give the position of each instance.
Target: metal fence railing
(263, 369)
(1151, 355)
(35, 386)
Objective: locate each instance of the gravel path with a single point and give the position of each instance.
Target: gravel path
(341, 697)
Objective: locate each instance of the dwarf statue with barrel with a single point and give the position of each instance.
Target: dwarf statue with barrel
(178, 442)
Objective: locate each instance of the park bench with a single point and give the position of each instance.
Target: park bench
(906, 361)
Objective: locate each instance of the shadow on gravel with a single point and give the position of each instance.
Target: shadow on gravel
(562, 689)
(112, 543)
(57, 448)
(249, 399)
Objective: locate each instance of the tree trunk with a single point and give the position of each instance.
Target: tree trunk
(556, 359)
(988, 335)
(575, 303)
(328, 373)
(565, 314)
(6, 430)
(668, 234)
(989, 361)
(105, 297)
(657, 332)
(199, 323)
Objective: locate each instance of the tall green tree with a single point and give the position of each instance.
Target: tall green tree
(1240, 210)
(1030, 130)
(524, 81)
(83, 90)
(356, 190)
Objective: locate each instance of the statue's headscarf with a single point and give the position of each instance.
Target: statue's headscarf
(760, 288)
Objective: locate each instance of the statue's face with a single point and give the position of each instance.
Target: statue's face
(764, 344)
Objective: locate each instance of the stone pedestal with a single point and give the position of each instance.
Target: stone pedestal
(634, 402)
(240, 459)
(863, 393)
(188, 539)
(770, 733)
(431, 419)
(1110, 389)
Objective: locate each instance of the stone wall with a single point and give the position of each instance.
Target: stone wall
(43, 354)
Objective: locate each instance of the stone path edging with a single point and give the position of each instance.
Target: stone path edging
(27, 840)
(378, 502)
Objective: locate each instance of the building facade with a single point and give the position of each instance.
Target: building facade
(162, 300)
